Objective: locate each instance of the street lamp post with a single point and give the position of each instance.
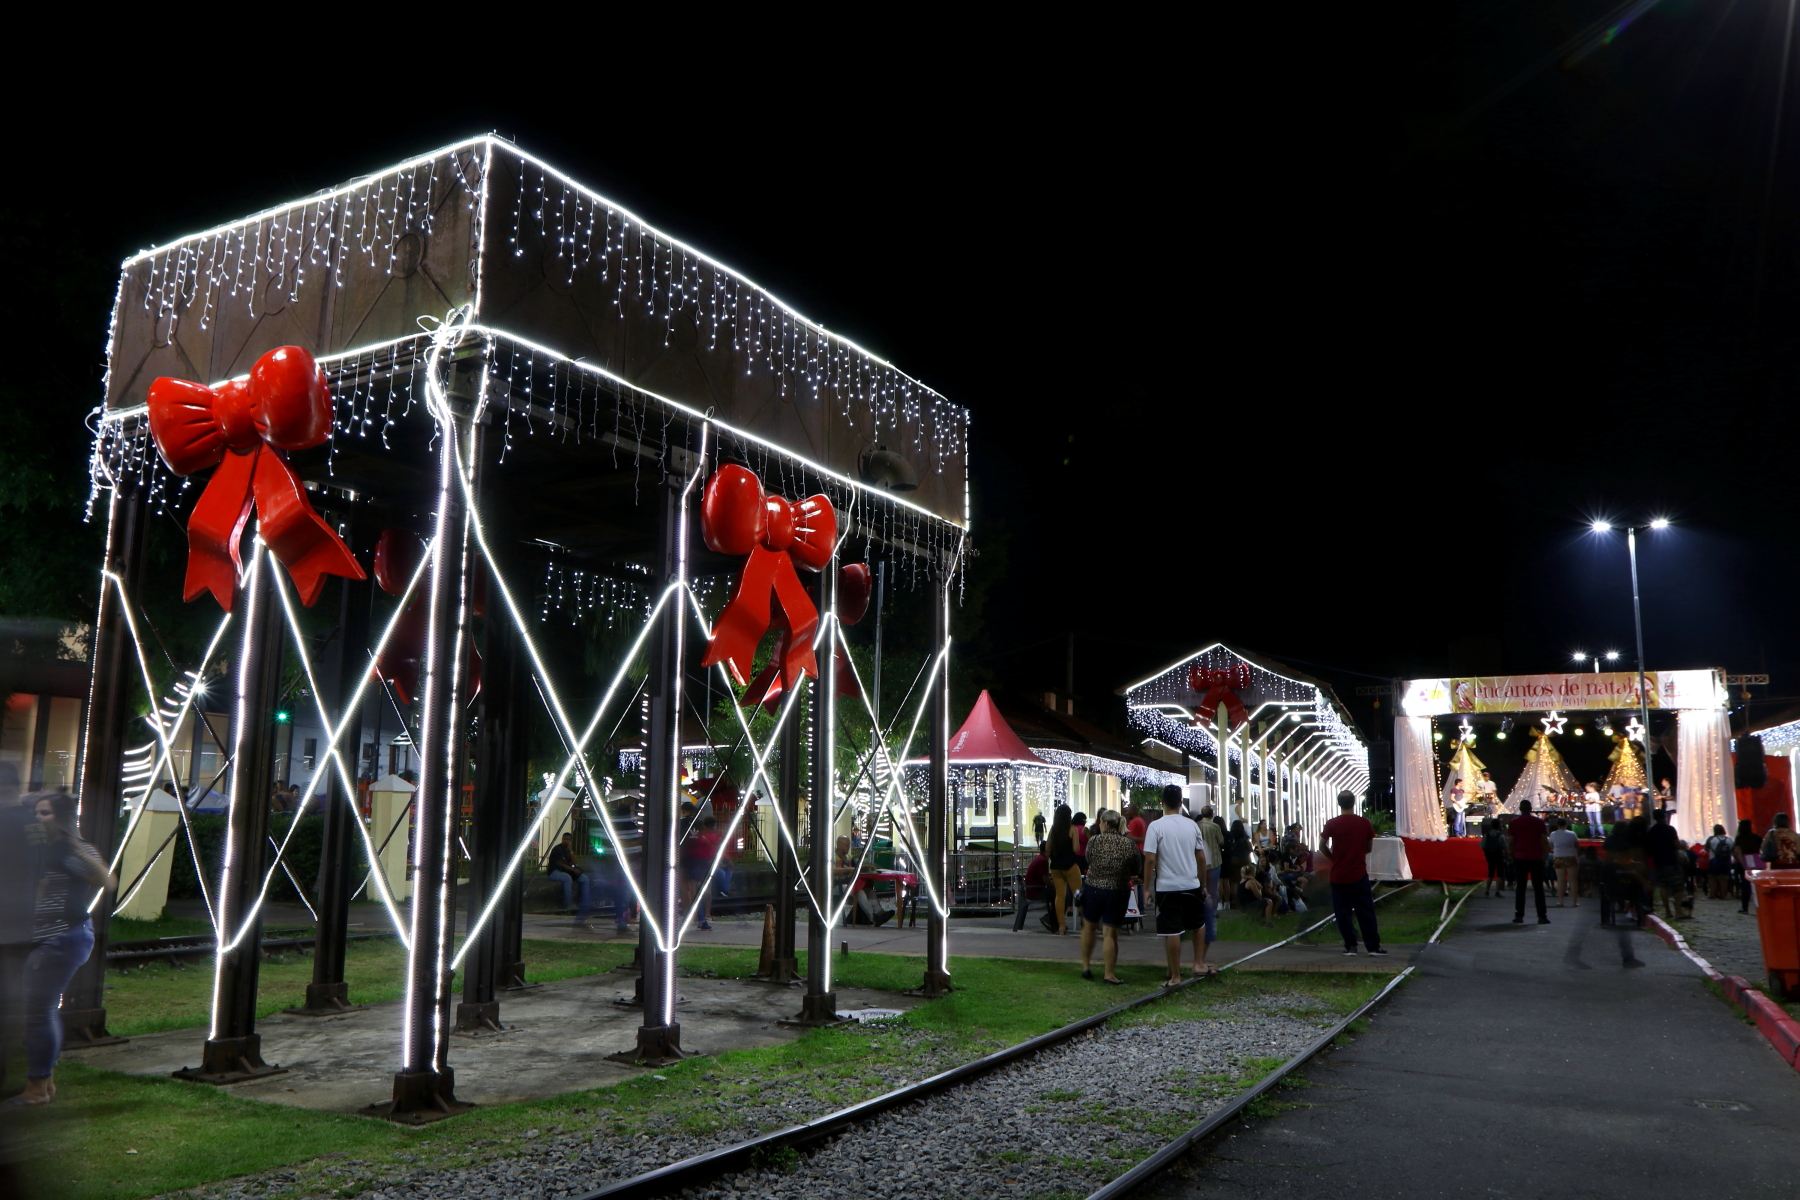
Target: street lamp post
(1637, 617)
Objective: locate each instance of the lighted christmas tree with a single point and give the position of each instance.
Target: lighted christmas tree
(1627, 761)
(1463, 768)
(1544, 768)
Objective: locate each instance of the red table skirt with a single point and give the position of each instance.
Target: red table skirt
(1455, 860)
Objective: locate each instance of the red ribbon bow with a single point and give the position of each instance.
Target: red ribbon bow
(738, 517)
(1218, 685)
(282, 405)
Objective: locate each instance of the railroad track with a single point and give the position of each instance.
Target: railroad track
(704, 1168)
(174, 949)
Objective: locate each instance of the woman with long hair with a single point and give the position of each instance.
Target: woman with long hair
(1065, 871)
(62, 936)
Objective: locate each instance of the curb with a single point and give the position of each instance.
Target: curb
(1781, 1030)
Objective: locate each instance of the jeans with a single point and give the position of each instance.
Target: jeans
(569, 882)
(48, 969)
(1536, 870)
(1211, 929)
(1356, 900)
(1212, 887)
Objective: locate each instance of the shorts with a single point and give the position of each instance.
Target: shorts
(1671, 877)
(697, 869)
(1105, 905)
(1180, 912)
(1567, 863)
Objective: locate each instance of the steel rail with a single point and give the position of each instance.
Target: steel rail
(705, 1167)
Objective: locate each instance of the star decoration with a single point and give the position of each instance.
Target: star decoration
(1467, 730)
(1634, 730)
(1553, 724)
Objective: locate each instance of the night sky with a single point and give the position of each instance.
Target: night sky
(1325, 341)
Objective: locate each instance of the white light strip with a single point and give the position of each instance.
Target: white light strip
(316, 198)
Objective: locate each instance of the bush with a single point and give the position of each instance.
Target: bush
(302, 856)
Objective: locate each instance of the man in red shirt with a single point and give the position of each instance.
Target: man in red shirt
(1346, 839)
(1530, 839)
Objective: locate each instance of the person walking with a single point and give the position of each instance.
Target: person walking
(1106, 893)
(62, 936)
(1135, 825)
(1719, 855)
(1493, 849)
(1665, 862)
(1078, 828)
(1033, 887)
(1781, 845)
(1174, 866)
(1529, 839)
(697, 855)
(1065, 874)
(1747, 858)
(1565, 857)
(1345, 840)
(1213, 838)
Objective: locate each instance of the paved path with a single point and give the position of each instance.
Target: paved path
(1725, 937)
(1526, 1061)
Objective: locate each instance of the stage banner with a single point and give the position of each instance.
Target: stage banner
(1572, 692)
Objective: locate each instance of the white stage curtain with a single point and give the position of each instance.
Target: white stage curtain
(1703, 793)
(1417, 812)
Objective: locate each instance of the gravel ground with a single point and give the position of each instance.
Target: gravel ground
(1060, 1123)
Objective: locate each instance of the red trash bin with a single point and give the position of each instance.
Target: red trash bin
(1778, 920)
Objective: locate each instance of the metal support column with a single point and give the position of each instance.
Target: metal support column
(103, 749)
(425, 1085)
(496, 786)
(233, 1051)
(328, 993)
(937, 832)
(820, 1005)
(659, 1037)
(785, 968)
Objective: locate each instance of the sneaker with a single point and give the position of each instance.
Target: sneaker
(706, 925)
(1518, 920)
(1382, 953)
(1543, 920)
(1349, 954)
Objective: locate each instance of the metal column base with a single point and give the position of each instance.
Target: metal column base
(784, 970)
(514, 974)
(657, 1046)
(817, 1009)
(326, 1000)
(937, 983)
(475, 1018)
(230, 1060)
(421, 1097)
(86, 1027)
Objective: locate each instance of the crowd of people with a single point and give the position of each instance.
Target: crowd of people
(1186, 866)
(1642, 861)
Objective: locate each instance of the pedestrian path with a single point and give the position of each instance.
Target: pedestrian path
(1725, 937)
(1528, 1060)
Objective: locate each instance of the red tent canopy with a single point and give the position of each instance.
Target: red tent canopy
(986, 737)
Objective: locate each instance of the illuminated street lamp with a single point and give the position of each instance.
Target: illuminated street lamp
(1637, 617)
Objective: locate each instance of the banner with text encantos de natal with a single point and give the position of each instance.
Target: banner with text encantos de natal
(1571, 692)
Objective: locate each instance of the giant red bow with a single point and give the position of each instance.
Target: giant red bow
(1218, 685)
(737, 517)
(282, 405)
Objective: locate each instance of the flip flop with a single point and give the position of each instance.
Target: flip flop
(1114, 982)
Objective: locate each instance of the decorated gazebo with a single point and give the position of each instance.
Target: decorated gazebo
(459, 396)
(1261, 740)
(995, 780)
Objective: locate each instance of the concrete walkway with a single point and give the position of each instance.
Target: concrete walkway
(1524, 1060)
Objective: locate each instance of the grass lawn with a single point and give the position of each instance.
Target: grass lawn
(187, 1134)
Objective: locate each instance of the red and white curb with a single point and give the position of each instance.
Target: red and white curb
(1782, 1031)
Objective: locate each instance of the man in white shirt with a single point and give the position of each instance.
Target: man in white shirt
(1175, 869)
(1486, 791)
(1590, 801)
(1565, 856)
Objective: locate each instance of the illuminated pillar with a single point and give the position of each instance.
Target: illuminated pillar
(425, 1085)
(937, 839)
(110, 694)
(787, 873)
(328, 993)
(233, 1050)
(659, 1037)
(820, 1003)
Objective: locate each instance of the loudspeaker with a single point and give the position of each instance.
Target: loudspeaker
(1752, 771)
